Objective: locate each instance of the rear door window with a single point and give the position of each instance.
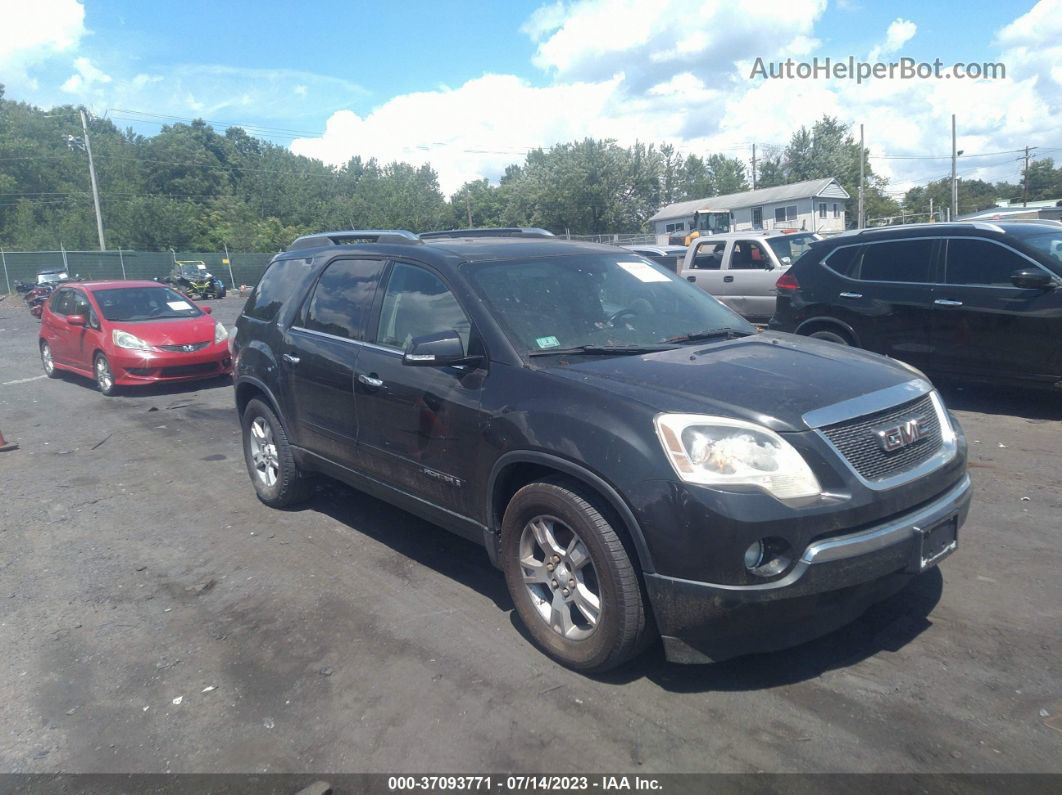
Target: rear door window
(898, 261)
(981, 262)
(342, 298)
(709, 257)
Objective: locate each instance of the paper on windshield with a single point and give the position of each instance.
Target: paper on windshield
(643, 272)
(177, 306)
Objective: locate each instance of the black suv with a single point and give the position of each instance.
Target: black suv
(631, 453)
(970, 300)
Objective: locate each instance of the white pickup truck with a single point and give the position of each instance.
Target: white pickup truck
(741, 268)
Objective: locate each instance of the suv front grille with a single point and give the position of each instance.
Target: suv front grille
(859, 444)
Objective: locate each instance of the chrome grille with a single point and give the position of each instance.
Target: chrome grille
(859, 444)
(195, 346)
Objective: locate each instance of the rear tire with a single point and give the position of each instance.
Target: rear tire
(47, 361)
(828, 335)
(270, 460)
(570, 577)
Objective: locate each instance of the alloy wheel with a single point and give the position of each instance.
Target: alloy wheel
(560, 577)
(104, 377)
(264, 452)
(46, 358)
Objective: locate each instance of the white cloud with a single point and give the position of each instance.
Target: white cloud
(900, 32)
(697, 95)
(31, 33)
(652, 40)
(86, 75)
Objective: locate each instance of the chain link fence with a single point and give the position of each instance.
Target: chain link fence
(123, 264)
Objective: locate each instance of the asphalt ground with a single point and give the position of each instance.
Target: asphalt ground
(154, 617)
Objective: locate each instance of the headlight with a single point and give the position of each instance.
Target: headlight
(717, 451)
(220, 334)
(123, 339)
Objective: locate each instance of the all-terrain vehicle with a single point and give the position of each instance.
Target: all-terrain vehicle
(193, 279)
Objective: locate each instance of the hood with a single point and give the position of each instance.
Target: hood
(771, 379)
(175, 331)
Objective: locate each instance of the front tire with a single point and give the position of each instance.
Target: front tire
(570, 577)
(104, 375)
(270, 460)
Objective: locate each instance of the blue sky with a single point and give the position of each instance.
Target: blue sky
(469, 86)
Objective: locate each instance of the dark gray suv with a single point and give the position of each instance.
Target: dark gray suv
(632, 454)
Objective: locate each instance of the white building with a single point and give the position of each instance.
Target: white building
(817, 205)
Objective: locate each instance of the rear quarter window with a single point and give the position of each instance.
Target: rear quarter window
(842, 260)
(280, 281)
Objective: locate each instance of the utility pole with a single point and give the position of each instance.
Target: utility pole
(954, 180)
(754, 166)
(1025, 179)
(92, 174)
(931, 218)
(468, 207)
(862, 162)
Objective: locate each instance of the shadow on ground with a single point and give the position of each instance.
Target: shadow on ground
(885, 627)
(1035, 405)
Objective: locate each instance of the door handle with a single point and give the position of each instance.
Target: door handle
(947, 302)
(691, 278)
(370, 380)
(290, 359)
(728, 278)
(851, 295)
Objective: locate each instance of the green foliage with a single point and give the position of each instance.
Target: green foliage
(193, 188)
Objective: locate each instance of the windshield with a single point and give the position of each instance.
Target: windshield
(194, 271)
(792, 246)
(596, 300)
(50, 278)
(127, 304)
(1050, 244)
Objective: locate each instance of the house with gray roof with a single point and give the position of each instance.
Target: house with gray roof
(816, 205)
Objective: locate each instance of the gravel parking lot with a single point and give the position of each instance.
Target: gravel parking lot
(156, 617)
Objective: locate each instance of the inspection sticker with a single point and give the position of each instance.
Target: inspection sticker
(547, 342)
(643, 272)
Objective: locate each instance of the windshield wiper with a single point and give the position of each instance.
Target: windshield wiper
(712, 333)
(598, 350)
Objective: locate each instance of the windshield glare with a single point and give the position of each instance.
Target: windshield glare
(792, 246)
(597, 299)
(127, 304)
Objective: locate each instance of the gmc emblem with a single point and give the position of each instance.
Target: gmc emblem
(896, 437)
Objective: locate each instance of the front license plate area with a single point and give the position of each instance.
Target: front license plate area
(935, 543)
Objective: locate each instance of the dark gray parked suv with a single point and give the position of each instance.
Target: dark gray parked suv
(632, 454)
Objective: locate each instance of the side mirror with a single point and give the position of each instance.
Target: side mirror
(442, 349)
(1032, 279)
(75, 320)
(787, 260)
(208, 309)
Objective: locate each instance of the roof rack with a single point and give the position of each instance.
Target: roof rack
(983, 225)
(490, 231)
(350, 237)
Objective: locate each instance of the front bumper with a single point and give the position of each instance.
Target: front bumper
(146, 367)
(834, 581)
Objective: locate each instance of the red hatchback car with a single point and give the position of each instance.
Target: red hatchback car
(125, 333)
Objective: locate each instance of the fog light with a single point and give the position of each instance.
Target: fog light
(754, 555)
(768, 557)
